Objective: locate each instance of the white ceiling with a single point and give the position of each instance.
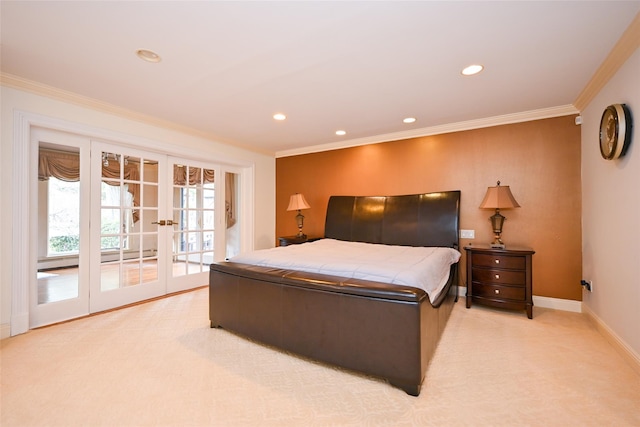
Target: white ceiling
(227, 67)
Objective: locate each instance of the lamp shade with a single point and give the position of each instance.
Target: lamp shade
(297, 202)
(499, 197)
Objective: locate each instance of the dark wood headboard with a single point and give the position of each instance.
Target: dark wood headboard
(430, 219)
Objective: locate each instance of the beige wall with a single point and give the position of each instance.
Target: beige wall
(611, 215)
(539, 160)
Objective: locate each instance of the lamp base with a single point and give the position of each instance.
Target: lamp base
(497, 240)
(497, 221)
(300, 222)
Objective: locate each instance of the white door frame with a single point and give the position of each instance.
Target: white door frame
(23, 238)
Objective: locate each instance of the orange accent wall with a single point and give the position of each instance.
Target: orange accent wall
(539, 160)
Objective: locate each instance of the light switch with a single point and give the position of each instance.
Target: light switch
(467, 234)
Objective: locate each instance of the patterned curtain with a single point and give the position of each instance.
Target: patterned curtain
(62, 165)
(196, 175)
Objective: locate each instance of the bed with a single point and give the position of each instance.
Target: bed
(382, 329)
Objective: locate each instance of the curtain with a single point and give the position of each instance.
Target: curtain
(230, 199)
(65, 166)
(196, 175)
(62, 165)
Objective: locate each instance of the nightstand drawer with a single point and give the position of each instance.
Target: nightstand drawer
(511, 277)
(499, 261)
(497, 291)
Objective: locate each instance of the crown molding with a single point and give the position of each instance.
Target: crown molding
(623, 49)
(31, 86)
(526, 116)
(15, 82)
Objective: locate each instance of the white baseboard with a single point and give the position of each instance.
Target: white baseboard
(544, 302)
(558, 304)
(621, 347)
(5, 331)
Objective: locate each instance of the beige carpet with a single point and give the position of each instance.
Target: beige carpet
(159, 364)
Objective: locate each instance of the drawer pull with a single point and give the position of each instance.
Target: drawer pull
(497, 261)
(497, 276)
(497, 291)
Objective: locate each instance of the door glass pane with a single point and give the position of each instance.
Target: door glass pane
(148, 221)
(110, 193)
(58, 223)
(110, 222)
(179, 268)
(192, 219)
(150, 270)
(207, 241)
(208, 196)
(150, 242)
(109, 276)
(180, 246)
(149, 195)
(150, 171)
(192, 196)
(131, 273)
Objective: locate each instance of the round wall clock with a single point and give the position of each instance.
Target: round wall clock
(615, 131)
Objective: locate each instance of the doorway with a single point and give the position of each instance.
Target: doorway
(117, 225)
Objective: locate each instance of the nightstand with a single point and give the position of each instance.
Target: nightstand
(500, 277)
(295, 240)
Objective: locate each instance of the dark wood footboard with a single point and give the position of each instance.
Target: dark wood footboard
(386, 331)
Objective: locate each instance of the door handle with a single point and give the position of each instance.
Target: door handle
(163, 222)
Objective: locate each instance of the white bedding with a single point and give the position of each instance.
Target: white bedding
(426, 268)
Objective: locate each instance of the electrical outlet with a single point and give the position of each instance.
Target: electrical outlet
(588, 285)
(467, 234)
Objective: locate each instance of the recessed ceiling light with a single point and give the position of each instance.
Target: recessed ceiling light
(409, 120)
(341, 132)
(148, 55)
(279, 116)
(472, 69)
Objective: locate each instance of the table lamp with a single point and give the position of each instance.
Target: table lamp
(298, 202)
(498, 197)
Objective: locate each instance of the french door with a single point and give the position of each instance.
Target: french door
(143, 225)
(190, 223)
(128, 205)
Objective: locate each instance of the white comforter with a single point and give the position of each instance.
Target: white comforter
(426, 268)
